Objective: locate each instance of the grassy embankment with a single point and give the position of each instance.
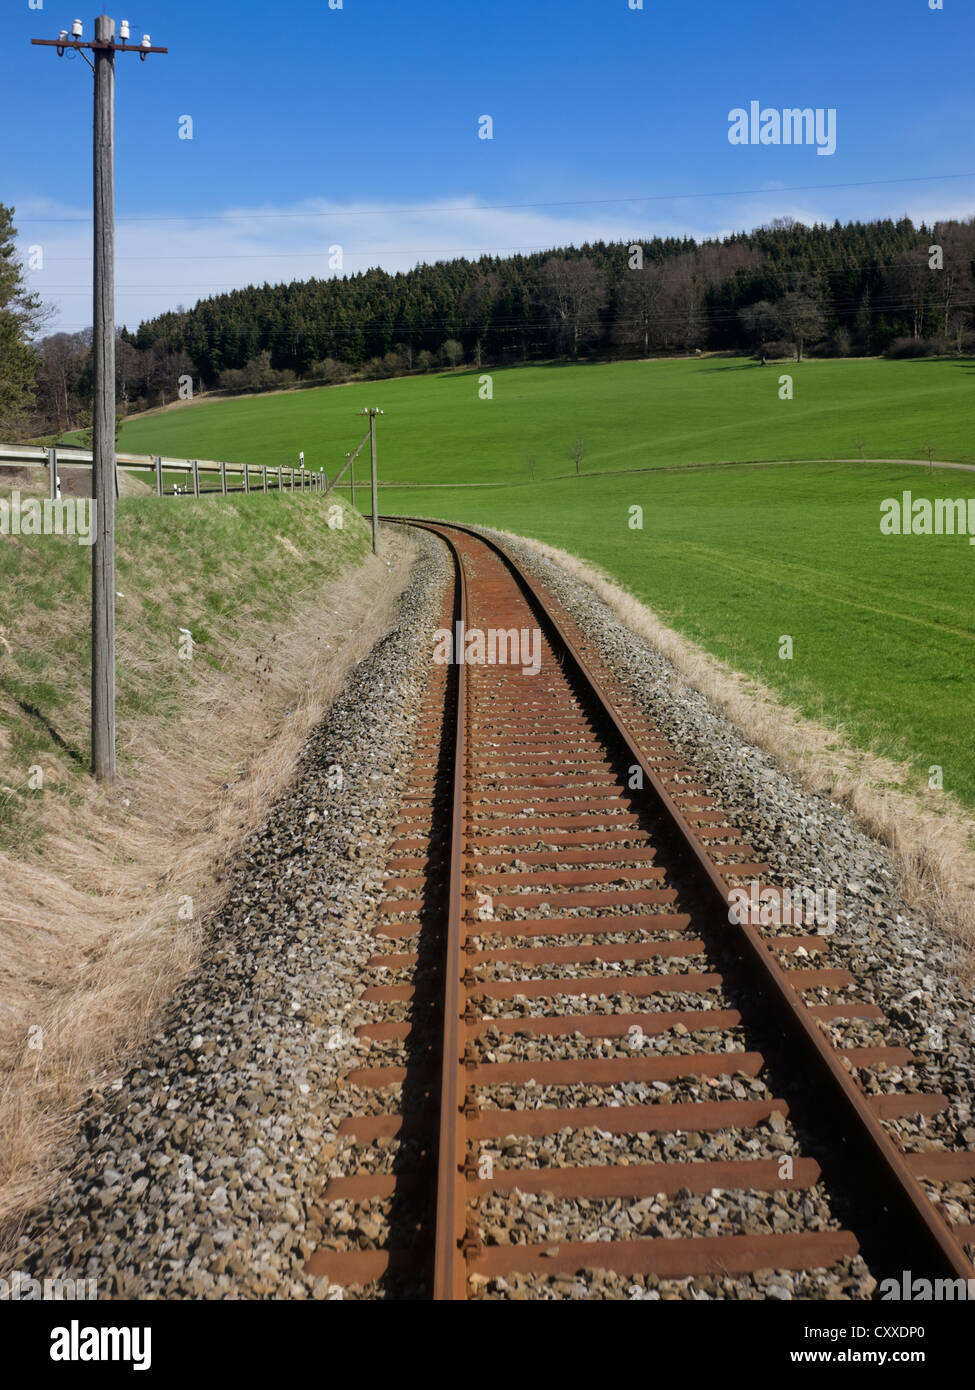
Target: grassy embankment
(218, 569)
(104, 890)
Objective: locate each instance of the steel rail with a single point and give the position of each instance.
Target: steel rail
(450, 1270)
(891, 1180)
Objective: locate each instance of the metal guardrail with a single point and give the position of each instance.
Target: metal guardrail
(267, 478)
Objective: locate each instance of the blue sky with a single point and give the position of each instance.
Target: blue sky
(359, 127)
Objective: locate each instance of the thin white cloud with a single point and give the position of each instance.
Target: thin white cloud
(166, 263)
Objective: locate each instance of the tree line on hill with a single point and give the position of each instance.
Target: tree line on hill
(786, 289)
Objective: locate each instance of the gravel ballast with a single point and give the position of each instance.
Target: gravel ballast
(199, 1172)
(902, 962)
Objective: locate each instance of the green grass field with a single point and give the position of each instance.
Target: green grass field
(631, 415)
(883, 627)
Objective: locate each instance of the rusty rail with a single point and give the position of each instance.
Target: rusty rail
(450, 1272)
(908, 1201)
(526, 746)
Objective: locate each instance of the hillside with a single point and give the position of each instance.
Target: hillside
(629, 414)
(734, 558)
(785, 290)
(784, 281)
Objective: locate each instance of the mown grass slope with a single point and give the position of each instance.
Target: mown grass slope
(438, 429)
(214, 567)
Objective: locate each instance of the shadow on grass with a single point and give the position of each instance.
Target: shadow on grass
(34, 713)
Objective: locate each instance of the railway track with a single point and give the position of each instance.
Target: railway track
(563, 1002)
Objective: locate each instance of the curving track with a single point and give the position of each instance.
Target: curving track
(557, 927)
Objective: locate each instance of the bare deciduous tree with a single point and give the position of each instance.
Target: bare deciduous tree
(63, 365)
(762, 324)
(802, 319)
(954, 283)
(640, 305)
(576, 452)
(573, 291)
(478, 302)
(908, 286)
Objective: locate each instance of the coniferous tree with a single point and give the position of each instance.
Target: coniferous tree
(20, 316)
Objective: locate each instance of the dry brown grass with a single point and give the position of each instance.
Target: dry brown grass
(930, 835)
(92, 940)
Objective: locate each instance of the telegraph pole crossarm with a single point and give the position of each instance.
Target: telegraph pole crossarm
(61, 45)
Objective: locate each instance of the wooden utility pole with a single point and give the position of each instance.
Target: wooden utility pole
(103, 469)
(375, 485)
(103, 416)
(375, 493)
